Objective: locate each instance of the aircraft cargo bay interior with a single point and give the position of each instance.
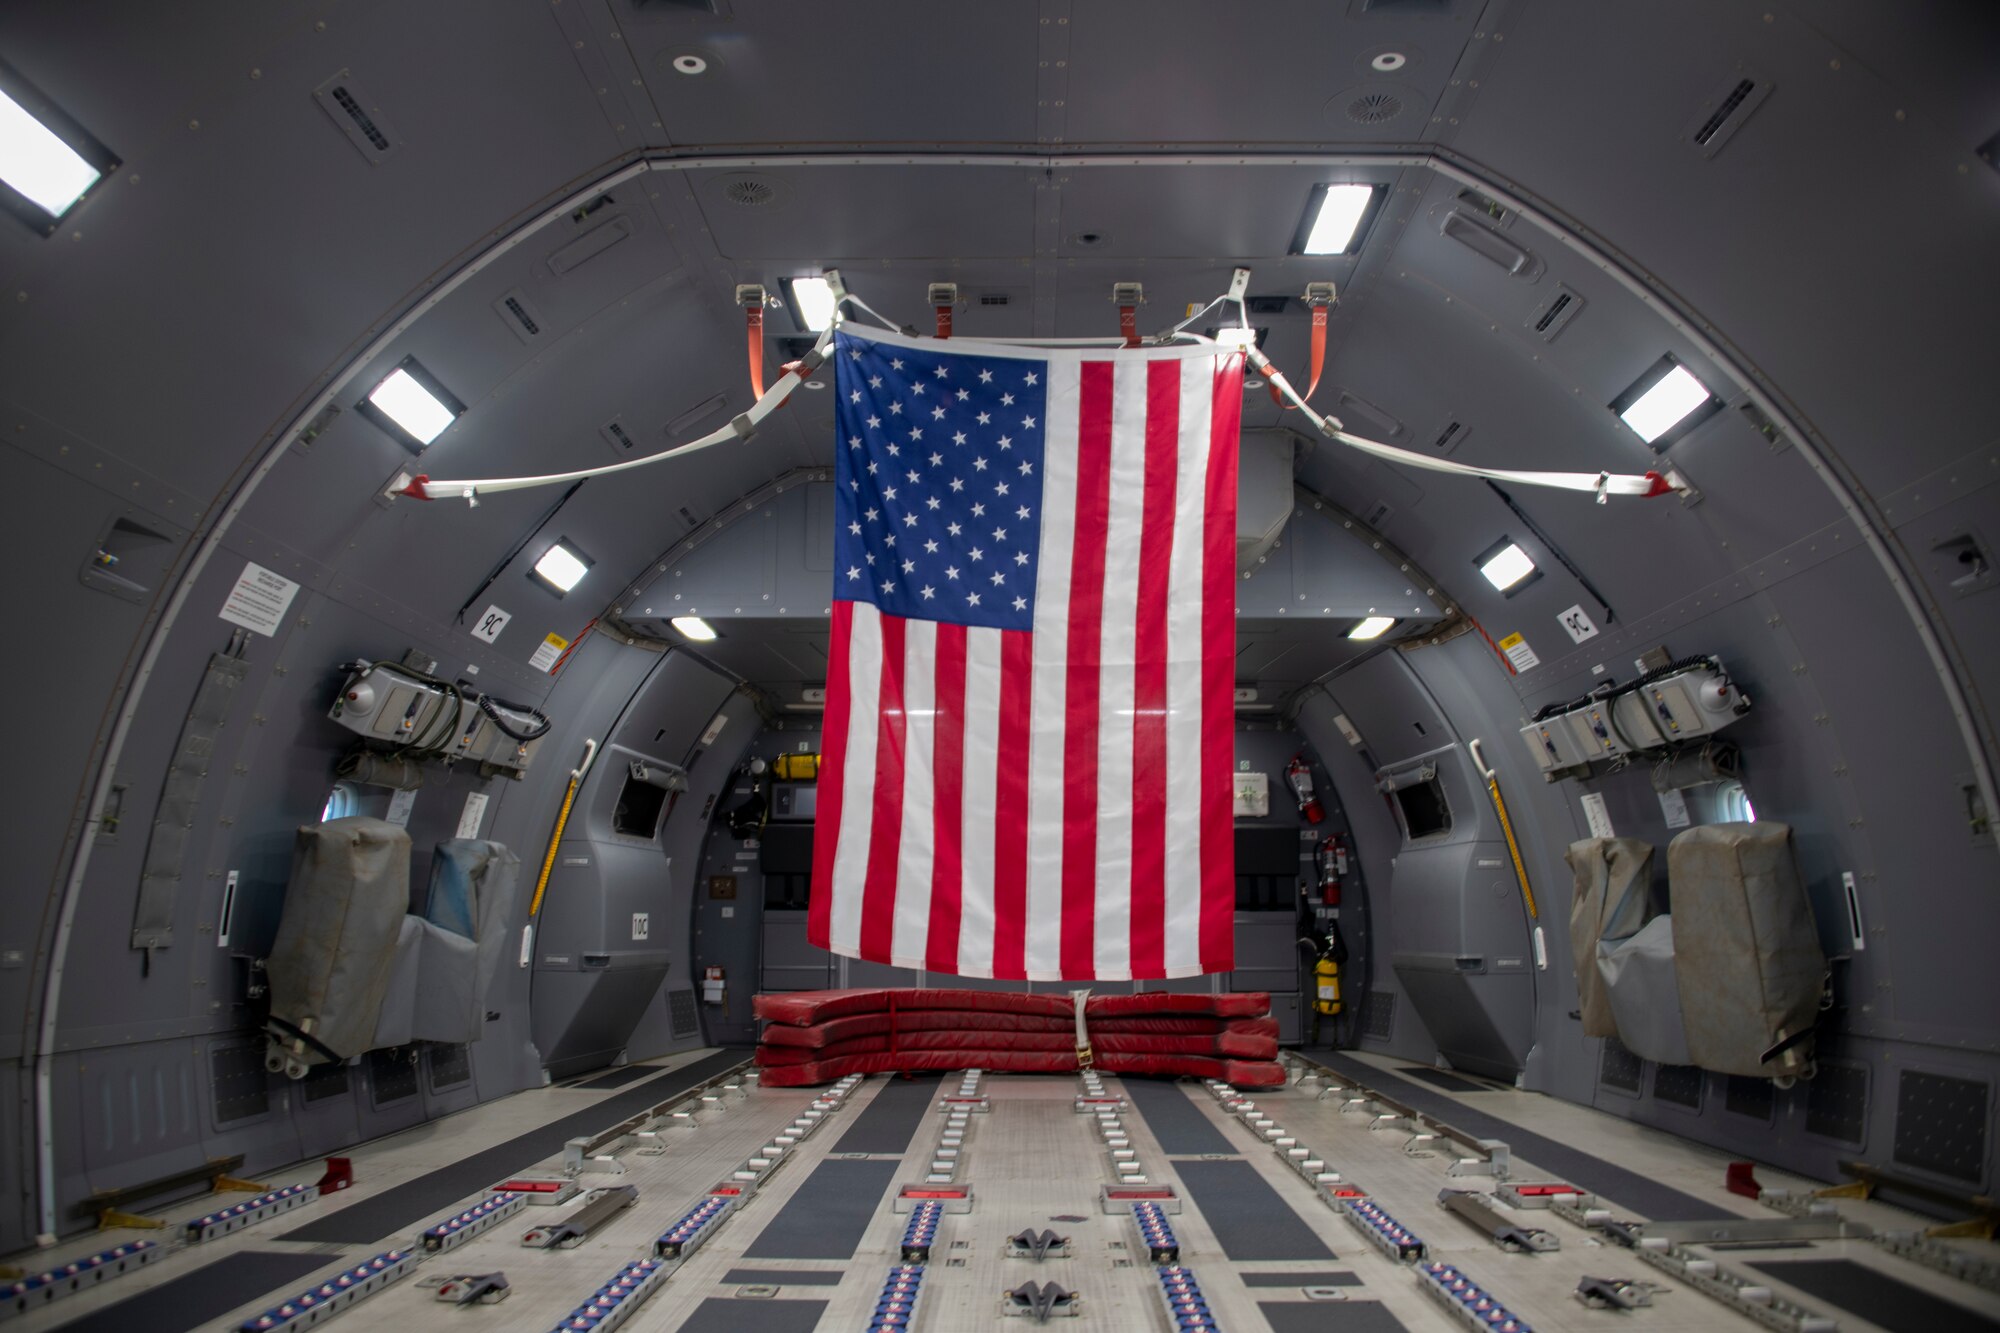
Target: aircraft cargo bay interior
(1120, 664)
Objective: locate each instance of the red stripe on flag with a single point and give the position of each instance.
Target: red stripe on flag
(1082, 668)
(878, 893)
(1218, 675)
(947, 801)
(1010, 806)
(1149, 676)
(833, 762)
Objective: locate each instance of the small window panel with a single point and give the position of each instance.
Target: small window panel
(1666, 403)
(49, 164)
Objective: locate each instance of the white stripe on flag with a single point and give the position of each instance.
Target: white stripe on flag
(1112, 938)
(1184, 704)
(913, 856)
(982, 755)
(857, 777)
(1049, 695)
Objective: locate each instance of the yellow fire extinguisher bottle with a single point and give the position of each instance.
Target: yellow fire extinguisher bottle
(1326, 982)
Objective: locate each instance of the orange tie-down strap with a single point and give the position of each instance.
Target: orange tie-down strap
(753, 317)
(1318, 359)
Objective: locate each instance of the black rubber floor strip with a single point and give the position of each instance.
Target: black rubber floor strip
(396, 1210)
(1656, 1202)
(617, 1078)
(721, 1314)
(1174, 1119)
(1870, 1294)
(784, 1277)
(889, 1122)
(205, 1295)
(1249, 1218)
(1335, 1278)
(1319, 1316)
(827, 1215)
(1442, 1078)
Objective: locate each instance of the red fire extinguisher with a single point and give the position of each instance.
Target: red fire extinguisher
(1299, 777)
(1330, 855)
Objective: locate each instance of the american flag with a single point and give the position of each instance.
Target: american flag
(1030, 698)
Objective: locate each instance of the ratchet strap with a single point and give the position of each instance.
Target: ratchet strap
(1080, 1000)
(1318, 299)
(1128, 324)
(753, 318)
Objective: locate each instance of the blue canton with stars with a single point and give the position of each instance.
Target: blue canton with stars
(939, 514)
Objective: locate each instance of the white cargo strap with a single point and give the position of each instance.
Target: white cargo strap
(1080, 999)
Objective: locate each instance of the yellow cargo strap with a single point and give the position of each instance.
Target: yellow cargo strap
(1506, 826)
(562, 819)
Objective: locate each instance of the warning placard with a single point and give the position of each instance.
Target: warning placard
(1519, 653)
(549, 653)
(259, 600)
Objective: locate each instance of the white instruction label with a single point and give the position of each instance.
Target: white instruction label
(491, 621)
(400, 806)
(641, 924)
(475, 810)
(1595, 815)
(1347, 729)
(550, 651)
(715, 729)
(1577, 624)
(1519, 653)
(1675, 807)
(259, 600)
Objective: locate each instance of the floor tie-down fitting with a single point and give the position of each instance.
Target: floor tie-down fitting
(474, 1289)
(1037, 1245)
(1475, 1208)
(601, 1207)
(1041, 1302)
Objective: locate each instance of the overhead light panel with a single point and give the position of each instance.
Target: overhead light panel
(562, 567)
(1335, 218)
(1372, 628)
(1665, 403)
(694, 627)
(812, 303)
(410, 404)
(1507, 567)
(47, 160)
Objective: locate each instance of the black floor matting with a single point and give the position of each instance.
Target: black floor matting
(1320, 1316)
(720, 1314)
(785, 1277)
(1248, 1217)
(205, 1295)
(1333, 1278)
(393, 1210)
(1444, 1078)
(1657, 1202)
(1875, 1296)
(1174, 1119)
(617, 1078)
(828, 1214)
(890, 1120)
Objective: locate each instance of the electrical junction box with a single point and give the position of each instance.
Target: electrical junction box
(794, 802)
(1252, 792)
(1659, 711)
(387, 705)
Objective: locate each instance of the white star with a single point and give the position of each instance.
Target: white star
(909, 520)
(931, 503)
(917, 388)
(972, 599)
(894, 450)
(942, 373)
(963, 395)
(1027, 423)
(1026, 467)
(976, 554)
(958, 483)
(913, 474)
(889, 539)
(958, 437)
(853, 485)
(895, 363)
(998, 578)
(854, 528)
(854, 441)
(978, 465)
(854, 396)
(909, 566)
(951, 572)
(889, 493)
(929, 592)
(888, 585)
(937, 414)
(999, 534)
(999, 488)
(916, 432)
(979, 511)
(936, 459)
(1006, 400)
(953, 529)
(1020, 603)
(895, 409)
(985, 418)
(931, 547)
(874, 381)
(869, 557)
(854, 354)
(1006, 442)
(1031, 378)
(854, 571)
(874, 423)
(1022, 513)
(1020, 557)
(985, 377)
(872, 514)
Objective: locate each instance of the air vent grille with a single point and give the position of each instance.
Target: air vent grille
(1378, 515)
(451, 1066)
(995, 298)
(324, 1081)
(749, 192)
(1756, 1098)
(1379, 1018)
(1619, 1068)
(616, 435)
(1679, 1084)
(520, 317)
(237, 1074)
(1555, 316)
(1554, 312)
(369, 129)
(1720, 116)
(393, 1075)
(1837, 1103)
(357, 115)
(1449, 437)
(1941, 1124)
(519, 312)
(681, 1016)
(1374, 108)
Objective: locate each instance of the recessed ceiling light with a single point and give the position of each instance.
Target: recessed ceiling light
(411, 404)
(1665, 403)
(562, 567)
(694, 627)
(47, 160)
(1371, 628)
(1506, 566)
(812, 302)
(689, 64)
(1336, 214)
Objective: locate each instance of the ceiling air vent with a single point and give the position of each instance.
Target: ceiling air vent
(357, 116)
(1725, 111)
(522, 320)
(617, 436)
(750, 192)
(994, 298)
(1374, 108)
(1377, 515)
(1450, 437)
(1554, 316)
